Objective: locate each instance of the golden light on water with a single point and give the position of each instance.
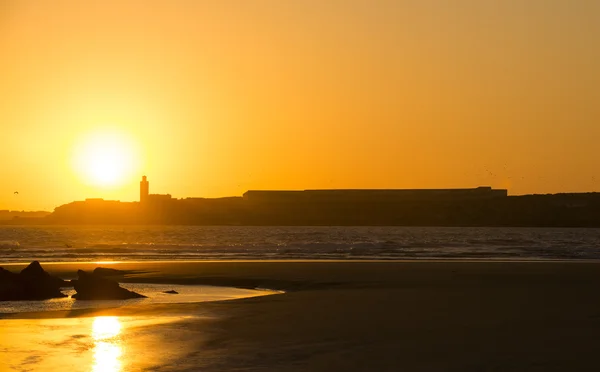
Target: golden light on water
(107, 344)
(97, 344)
(105, 327)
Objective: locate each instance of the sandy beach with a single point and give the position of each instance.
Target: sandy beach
(360, 316)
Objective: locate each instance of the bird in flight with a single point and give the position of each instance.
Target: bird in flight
(16, 193)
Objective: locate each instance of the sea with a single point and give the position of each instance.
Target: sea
(22, 244)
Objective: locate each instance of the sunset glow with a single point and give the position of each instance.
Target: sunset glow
(229, 96)
(388, 185)
(105, 158)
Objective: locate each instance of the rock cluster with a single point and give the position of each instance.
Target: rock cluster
(92, 286)
(32, 283)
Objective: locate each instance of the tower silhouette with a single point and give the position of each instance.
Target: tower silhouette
(144, 190)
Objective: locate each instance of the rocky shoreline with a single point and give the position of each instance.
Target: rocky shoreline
(33, 283)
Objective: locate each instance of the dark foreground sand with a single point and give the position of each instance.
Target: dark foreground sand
(381, 316)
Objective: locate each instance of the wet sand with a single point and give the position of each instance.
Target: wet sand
(371, 316)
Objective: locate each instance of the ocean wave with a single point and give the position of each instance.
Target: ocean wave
(213, 243)
(9, 244)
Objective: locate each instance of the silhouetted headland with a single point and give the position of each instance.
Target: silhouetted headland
(481, 206)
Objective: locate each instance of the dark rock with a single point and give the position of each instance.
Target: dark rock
(10, 287)
(172, 291)
(34, 272)
(104, 271)
(33, 283)
(91, 286)
(6, 275)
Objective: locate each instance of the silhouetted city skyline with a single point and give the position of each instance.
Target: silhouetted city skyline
(480, 206)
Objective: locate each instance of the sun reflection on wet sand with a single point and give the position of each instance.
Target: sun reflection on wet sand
(107, 344)
(98, 344)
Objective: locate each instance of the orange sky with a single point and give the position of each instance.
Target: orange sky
(218, 97)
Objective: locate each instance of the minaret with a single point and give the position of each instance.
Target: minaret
(144, 190)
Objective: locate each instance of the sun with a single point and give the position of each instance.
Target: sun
(105, 158)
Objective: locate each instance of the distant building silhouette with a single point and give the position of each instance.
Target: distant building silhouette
(160, 198)
(481, 206)
(144, 190)
(146, 197)
(373, 195)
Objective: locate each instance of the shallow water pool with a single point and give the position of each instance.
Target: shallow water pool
(154, 293)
